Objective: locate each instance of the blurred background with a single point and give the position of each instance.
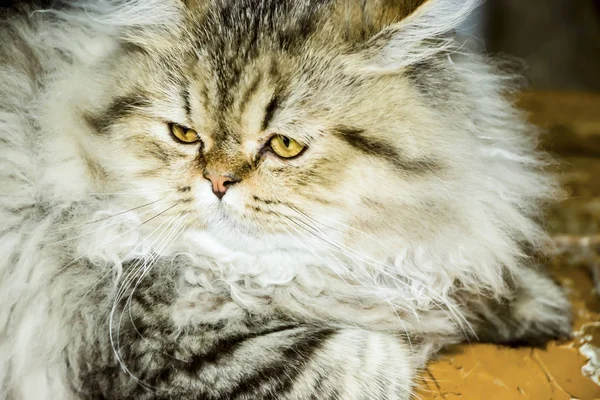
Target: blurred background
(558, 40)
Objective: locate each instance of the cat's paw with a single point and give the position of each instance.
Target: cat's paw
(541, 315)
(538, 313)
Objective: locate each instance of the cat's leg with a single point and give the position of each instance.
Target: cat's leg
(538, 311)
(205, 346)
(286, 362)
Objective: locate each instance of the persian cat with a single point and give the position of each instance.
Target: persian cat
(259, 199)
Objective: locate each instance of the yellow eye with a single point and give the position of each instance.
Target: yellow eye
(285, 147)
(184, 135)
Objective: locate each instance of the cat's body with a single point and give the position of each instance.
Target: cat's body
(236, 273)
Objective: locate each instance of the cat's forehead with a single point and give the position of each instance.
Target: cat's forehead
(236, 107)
(238, 28)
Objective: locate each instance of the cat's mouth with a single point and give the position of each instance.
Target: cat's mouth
(226, 219)
(236, 216)
(243, 234)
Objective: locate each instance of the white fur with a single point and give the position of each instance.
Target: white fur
(39, 165)
(434, 19)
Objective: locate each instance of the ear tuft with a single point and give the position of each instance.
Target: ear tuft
(128, 13)
(422, 34)
(144, 23)
(361, 19)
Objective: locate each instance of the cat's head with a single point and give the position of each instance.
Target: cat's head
(318, 123)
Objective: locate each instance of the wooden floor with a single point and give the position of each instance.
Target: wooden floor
(572, 122)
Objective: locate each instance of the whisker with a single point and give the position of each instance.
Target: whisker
(115, 344)
(145, 192)
(111, 240)
(100, 228)
(109, 217)
(377, 263)
(394, 307)
(136, 264)
(116, 265)
(134, 267)
(146, 268)
(382, 268)
(374, 239)
(175, 229)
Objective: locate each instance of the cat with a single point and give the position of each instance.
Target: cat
(259, 199)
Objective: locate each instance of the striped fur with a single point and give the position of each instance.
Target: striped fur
(332, 275)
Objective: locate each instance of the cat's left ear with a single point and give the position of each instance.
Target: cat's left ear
(399, 33)
(358, 19)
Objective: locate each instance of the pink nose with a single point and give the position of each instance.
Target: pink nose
(220, 183)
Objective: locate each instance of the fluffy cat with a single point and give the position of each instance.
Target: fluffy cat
(258, 199)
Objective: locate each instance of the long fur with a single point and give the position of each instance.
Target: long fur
(77, 236)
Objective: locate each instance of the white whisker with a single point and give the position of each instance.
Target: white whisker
(133, 193)
(109, 217)
(353, 255)
(174, 229)
(105, 226)
(138, 271)
(392, 305)
(134, 270)
(111, 240)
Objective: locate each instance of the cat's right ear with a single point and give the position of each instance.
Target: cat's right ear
(143, 23)
(131, 13)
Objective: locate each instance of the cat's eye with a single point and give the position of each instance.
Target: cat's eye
(286, 147)
(184, 134)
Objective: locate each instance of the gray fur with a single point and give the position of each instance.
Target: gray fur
(334, 275)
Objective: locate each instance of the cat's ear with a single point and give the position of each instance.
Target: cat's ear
(127, 14)
(398, 33)
(359, 19)
(142, 23)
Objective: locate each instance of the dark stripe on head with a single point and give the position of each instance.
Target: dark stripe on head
(121, 107)
(250, 92)
(356, 138)
(236, 32)
(434, 81)
(149, 173)
(270, 111)
(187, 103)
(157, 150)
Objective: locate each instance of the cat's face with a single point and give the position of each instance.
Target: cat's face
(258, 140)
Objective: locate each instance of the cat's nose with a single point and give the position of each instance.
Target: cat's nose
(220, 183)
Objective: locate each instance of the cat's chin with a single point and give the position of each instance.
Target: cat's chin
(222, 223)
(230, 236)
